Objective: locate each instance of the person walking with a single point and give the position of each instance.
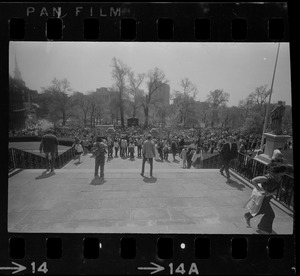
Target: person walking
(49, 145)
(229, 151)
(100, 149)
(259, 203)
(78, 149)
(148, 154)
(197, 158)
(189, 156)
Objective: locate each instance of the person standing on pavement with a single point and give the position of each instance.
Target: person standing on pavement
(100, 149)
(123, 152)
(174, 149)
(229, 151)
(116, 146)
(110, 146)
(49, 145)
(131, 147)
(148, 154)
(183, 156)
(139, 146)
(265, 187)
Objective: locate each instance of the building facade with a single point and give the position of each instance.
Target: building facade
(162, 94)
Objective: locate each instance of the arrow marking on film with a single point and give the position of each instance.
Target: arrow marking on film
(155, 269)
(17, 269)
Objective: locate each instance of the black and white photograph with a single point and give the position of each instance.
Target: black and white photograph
(150, 137)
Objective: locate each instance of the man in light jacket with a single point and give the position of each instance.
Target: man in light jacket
(148, 154)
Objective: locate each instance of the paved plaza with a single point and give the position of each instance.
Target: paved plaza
(175, 200)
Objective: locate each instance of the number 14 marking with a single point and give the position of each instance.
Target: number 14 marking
(41, 268)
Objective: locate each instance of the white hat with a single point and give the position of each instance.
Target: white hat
(277, 155)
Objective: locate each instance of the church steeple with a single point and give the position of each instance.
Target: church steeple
(17, 71)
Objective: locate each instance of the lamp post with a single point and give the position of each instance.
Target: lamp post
(268, 106)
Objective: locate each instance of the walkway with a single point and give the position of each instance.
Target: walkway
(175, 200)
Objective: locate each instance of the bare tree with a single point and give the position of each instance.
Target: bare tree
(156, 79)
(60, 100)
(217, 98)
(184, 99)
(134, 91)
(259, 96)
(84, 103)
(119, 73)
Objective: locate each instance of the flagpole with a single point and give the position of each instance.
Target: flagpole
(268, 106)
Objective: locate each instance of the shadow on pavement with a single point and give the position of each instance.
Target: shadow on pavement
(235, 184)
(159, 160)
(45, 175)
(150, 179)
(98, 181)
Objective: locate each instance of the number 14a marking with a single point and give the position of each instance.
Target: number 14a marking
(180, 269)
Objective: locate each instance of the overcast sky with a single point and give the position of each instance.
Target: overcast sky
(237, 68)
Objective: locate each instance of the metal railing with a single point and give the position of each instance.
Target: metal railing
(213, 162)
(248, 168)
(26, 160)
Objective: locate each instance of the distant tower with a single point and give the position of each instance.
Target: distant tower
(17, 71)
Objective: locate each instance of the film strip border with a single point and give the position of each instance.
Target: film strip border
(150, 254)
(207, 22)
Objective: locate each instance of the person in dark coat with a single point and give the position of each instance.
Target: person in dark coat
(100, 149)
(49, 145)
(229, 151)
(174, 149)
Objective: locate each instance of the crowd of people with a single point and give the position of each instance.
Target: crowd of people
(190, 145)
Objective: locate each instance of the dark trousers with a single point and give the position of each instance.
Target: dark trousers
(225, 166)
(166, 155)
(50, 160)
(99, 162)
(116, 152)
(110, 151)
(174, 153)
(151, 165)
(266, 222)
(139, 151)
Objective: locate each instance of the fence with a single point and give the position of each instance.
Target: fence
(27, 160)
(249, 168)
